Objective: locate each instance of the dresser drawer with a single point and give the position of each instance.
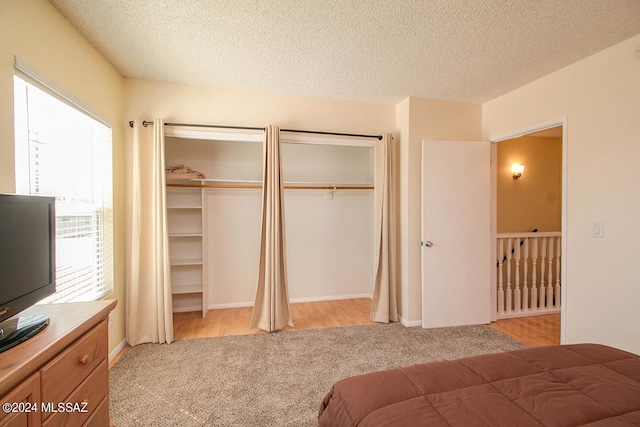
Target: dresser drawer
(25, 404)
(93, 391)
(66, 371)
(99, 417)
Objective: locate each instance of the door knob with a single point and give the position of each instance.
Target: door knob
(428, 243)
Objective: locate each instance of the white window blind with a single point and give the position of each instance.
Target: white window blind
(64, 152)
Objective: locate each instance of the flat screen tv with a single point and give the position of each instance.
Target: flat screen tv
(27, 264)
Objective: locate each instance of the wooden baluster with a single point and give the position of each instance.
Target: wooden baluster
(500, 276)
(509, 290)
(517, 301)
(557, 291)
(550, 280)
(525, 265)
(543, 256)
(534, 279)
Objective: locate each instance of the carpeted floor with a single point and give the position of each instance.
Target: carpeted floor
(271, 379)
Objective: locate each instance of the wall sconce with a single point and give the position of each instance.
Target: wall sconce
(517, 171)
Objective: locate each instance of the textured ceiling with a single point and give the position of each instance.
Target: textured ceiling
(359, 50)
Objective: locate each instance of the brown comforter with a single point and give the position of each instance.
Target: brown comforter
(572, 385)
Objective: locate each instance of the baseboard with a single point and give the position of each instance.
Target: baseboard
(331, 298)
(410, 323)
(231, 305)
(118, 349)
(292, 301)
(187, 309)
(528, 314)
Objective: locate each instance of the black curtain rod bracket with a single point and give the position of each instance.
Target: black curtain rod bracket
(147, 123)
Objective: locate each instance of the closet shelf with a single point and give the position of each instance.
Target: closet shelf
(197, 234)
(186, 261)
(185, 230)
(327, 186)
(248, 184)
(194, 207)
(232, 181)
(186, 289)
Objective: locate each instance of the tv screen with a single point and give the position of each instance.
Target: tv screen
(27, 252)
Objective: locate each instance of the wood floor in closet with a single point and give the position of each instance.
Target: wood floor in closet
(306, 315)
(531, 331)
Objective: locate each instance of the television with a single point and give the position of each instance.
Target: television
(27, 264)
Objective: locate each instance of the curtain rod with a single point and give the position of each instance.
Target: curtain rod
(147, 123)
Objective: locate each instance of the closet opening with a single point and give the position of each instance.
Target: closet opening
(214, 221)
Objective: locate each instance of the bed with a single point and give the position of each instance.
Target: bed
(570, 385)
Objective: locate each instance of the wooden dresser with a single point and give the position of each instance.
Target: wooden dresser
(60, 377)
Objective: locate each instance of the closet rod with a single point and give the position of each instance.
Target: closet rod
(147, 123)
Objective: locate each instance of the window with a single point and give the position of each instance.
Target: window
(63, 151)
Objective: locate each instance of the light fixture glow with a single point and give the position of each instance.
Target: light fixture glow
(517, 171)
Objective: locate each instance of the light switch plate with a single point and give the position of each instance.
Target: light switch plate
(597, 230)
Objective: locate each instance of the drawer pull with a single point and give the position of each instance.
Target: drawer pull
(85, 359)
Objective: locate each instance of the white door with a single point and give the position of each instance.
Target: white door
(455, 233)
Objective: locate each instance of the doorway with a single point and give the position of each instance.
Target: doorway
(516, 233)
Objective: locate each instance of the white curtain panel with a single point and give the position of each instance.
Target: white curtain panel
(271, 309)
(148, 296)
(385, 306)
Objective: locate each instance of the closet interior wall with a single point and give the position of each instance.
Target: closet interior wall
(329, 234)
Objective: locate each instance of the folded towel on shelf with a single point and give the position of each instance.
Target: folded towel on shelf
(182, 172)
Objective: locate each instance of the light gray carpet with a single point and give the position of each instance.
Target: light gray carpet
(271, 379)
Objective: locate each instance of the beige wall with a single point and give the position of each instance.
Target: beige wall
(401, 162)
(35, 32)
(533, 200)
(599, 97)
(418, 119)
(194, 104)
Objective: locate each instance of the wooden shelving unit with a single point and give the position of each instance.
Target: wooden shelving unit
(186, 242)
